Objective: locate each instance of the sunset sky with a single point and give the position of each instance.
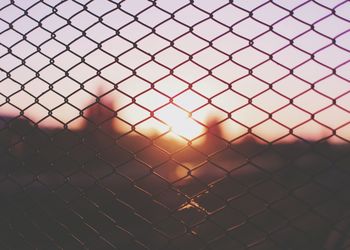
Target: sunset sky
(258, 65)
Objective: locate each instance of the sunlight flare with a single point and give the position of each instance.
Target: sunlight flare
(179, 121)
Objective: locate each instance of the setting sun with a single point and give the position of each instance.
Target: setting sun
(189, 124)
(179, 122)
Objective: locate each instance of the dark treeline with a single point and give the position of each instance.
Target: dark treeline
(293, 196)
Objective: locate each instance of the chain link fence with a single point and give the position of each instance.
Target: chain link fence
(174, 124)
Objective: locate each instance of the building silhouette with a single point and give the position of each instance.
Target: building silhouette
(100, 126)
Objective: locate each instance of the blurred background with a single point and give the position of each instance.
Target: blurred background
(174, 124)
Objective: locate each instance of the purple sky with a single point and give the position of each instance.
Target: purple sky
(176, 56)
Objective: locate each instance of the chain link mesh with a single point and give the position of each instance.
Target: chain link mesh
(96, 152)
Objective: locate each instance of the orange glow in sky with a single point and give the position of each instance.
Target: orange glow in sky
(271, 73)
(179, 122)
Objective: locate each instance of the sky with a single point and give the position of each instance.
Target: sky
(267, 67)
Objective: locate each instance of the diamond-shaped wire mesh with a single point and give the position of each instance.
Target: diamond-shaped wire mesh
(188, 124)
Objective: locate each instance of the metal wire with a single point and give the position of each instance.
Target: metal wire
(70, 180)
